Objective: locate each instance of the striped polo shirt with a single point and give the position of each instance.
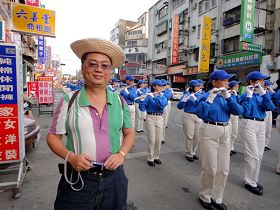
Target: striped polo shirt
(87, 132)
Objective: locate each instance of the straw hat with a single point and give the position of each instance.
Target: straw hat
(113, 51)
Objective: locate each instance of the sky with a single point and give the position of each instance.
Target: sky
(88, 18)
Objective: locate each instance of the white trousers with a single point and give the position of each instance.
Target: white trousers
(268, 126)
(191, 126)
(154, 125)
(139, 116)
(165, 115)
(214, 150)
(131, 109)
(233, 130)
(278, 127)
(253, 135)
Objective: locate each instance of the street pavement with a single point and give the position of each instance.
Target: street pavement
(172, 185)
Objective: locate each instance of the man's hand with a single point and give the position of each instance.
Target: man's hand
(80, 162)
(114, 161)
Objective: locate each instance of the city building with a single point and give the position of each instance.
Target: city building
(179, 22)
(117, 35)
(136, 49)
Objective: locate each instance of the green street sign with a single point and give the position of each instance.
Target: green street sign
(250, 47)
(239, 59)
(247, 21)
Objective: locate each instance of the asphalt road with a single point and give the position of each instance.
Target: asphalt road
(172, 185)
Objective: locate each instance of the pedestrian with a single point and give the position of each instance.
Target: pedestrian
(168, 92)
(99, 134)
(214, 141)
(129, 94)
(268, 118)
(252, 128)
(139, 115)
(154, 103)
(191, 123)
(277, 98)
(233, 121)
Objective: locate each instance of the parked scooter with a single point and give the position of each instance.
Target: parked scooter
(31, 128)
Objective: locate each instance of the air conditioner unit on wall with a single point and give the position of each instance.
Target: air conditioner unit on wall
(194, 6)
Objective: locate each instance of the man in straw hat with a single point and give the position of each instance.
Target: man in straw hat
(99, 134)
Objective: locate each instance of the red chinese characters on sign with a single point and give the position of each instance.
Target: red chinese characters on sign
(175, 39)
(9, 135)
(32, 89)
(45, 90)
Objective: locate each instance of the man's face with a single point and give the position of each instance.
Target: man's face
(220, 83)
(235, 87)
(96, 69)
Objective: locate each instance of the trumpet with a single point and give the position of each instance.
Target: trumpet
(119, 90)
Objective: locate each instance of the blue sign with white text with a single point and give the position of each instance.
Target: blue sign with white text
(8, 75)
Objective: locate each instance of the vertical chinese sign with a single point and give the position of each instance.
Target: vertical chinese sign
(205, 40)
(10, 111)
(41, 49)
(33, 20)
(32, 89)
(247, 21)
(175, 40)
(45, 90)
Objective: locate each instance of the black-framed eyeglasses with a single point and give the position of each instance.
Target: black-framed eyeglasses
(94, 65)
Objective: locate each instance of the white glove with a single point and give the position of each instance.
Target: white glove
(225, 93)
(185, 98)
(193, 96)
(151, 95)
(142, 98)
(126, 90)
(260, 89)
(213, 93)
(233, 92)
(249, 91)
(270, 90)
(139, 91)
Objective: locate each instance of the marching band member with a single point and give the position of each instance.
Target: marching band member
(214, 141)
(168, 92)
(141, 91)
(252, 128)
(191, 123)
(154, 103)
(233, 121)
(277, 97)
(268, 118)
(129, 94)
(201, 85)
(114, 85)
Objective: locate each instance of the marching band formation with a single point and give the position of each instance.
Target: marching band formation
(211, 121)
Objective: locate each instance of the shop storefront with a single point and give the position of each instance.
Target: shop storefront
(240, 64)
(175, 74)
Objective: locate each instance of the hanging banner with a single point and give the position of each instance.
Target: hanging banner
(45, 90)
(41, 49)
(33, 20)
(32, 89)
(11, 113)
(175, 40)
(205, 40)
(247, 21)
